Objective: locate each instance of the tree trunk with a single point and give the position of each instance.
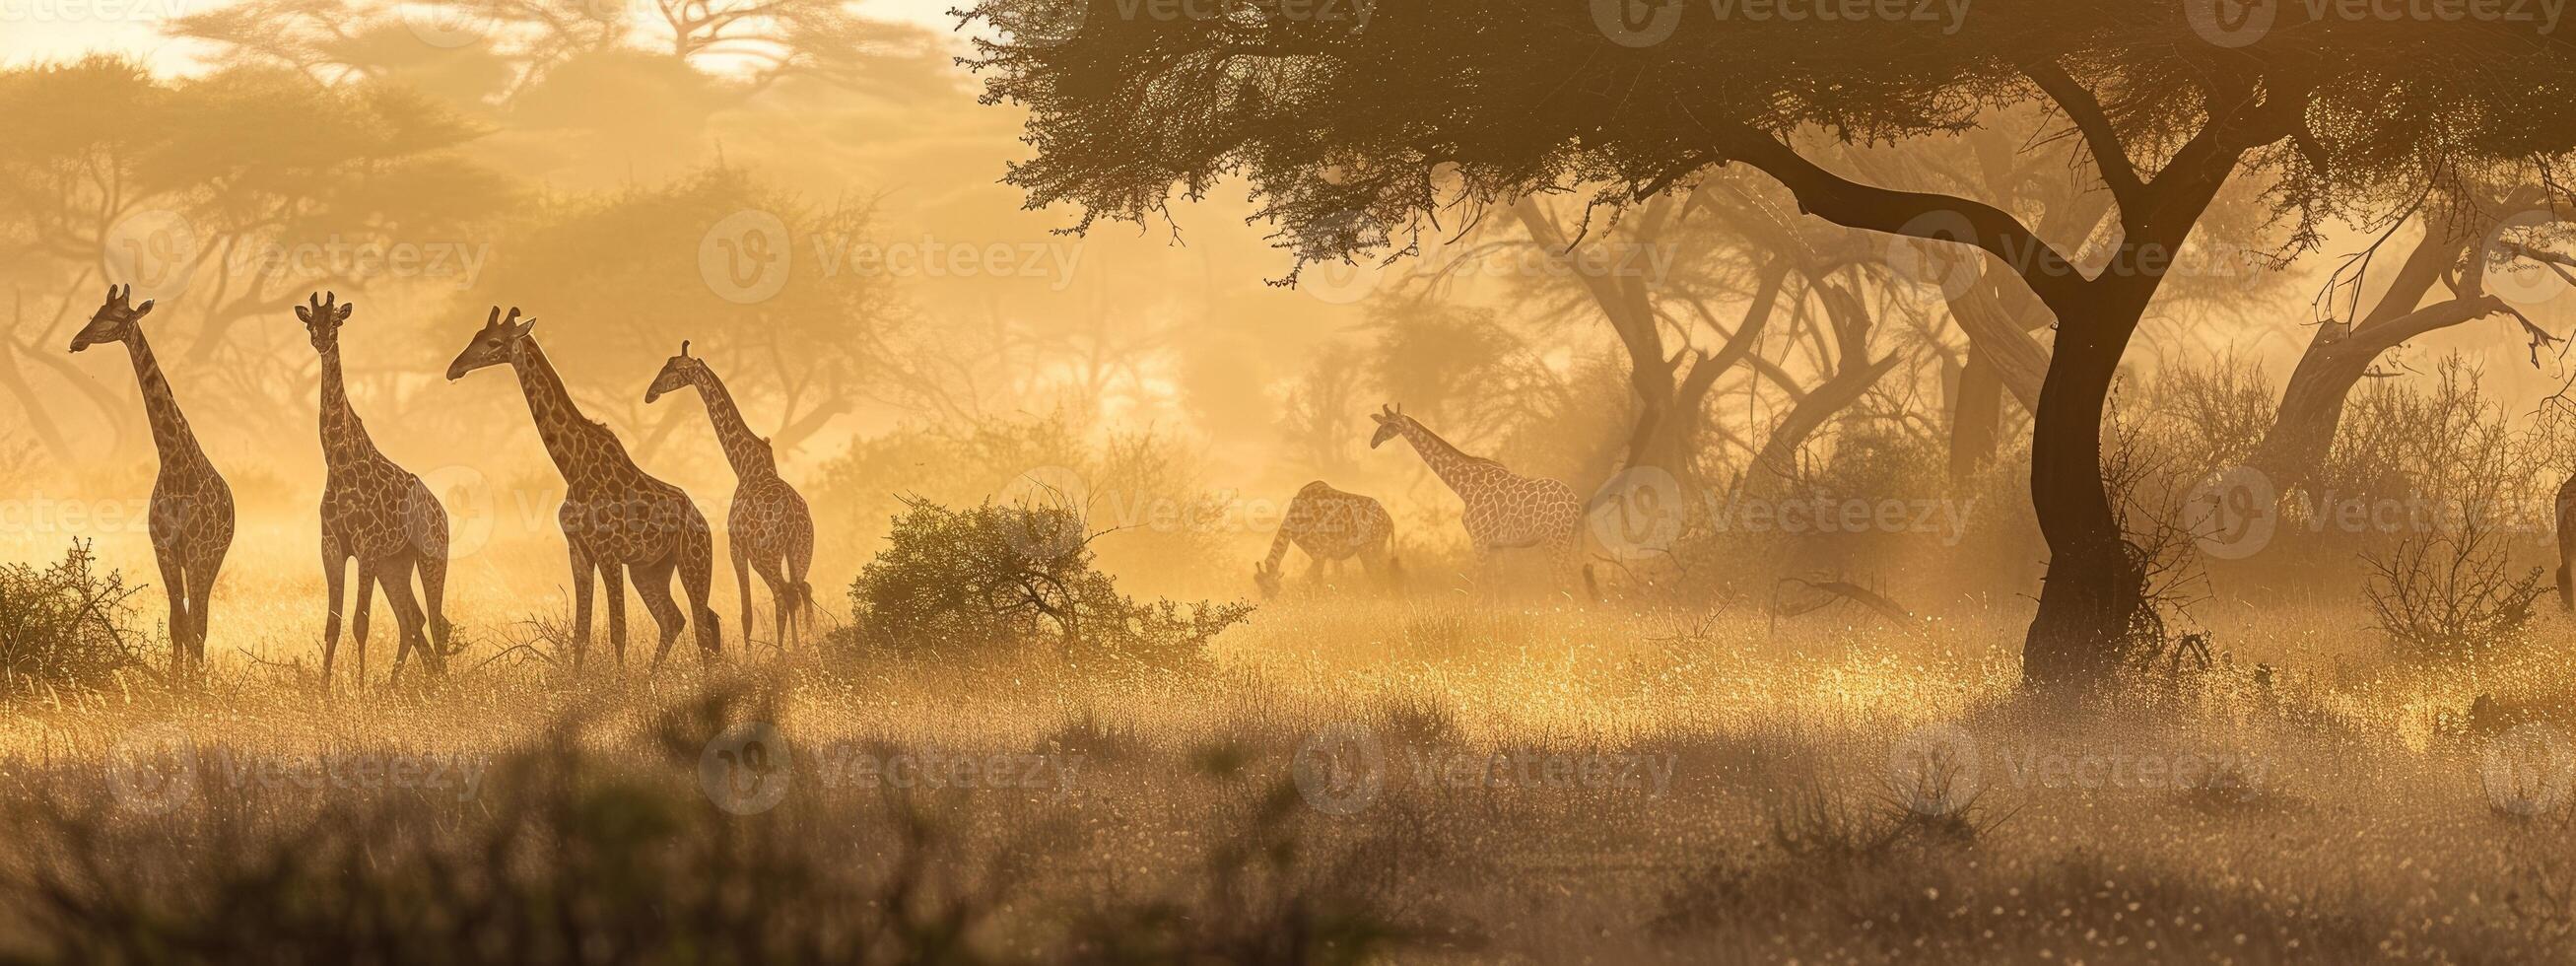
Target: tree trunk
(1976, 417)
(2093, 587)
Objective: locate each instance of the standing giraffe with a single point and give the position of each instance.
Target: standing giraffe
(769, 527)
(375, 512)
(616, 520)
(1330, 526)
(192, 508)
(1505, 510)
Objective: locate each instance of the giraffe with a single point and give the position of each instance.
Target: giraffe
(616, 520)
(769, 527)
(1505, 510)
(192, 508)
(376, 513)
(1330, 526)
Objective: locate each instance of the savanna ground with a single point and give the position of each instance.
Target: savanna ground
(1431, 776)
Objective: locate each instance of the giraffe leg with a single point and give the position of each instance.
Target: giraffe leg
(653, 584)
(407, 617)
(612, 584)
(742, 583)
(433, 592)
(789, 622)
(174, 585)
(697, 576)
(800, 560)
(583, 570)
(782, 594)
(201, 589)
(335, 578)
(366, 605)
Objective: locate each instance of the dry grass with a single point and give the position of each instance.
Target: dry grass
(1561, 781)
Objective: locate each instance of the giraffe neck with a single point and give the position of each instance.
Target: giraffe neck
(1278, 548)
(1462, 472)
(743, 448)
(559, 423)
(341, 429)
(170, 432)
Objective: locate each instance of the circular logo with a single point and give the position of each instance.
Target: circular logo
(1639, 513)
(448, 26)
(1047, 508)
(2232, 513)
(155, 250)
(153, 769)
(746, 257)
(1933, 769)
(462, 498)
(2509, 274)
(1937, 250)
(1637, 23)
(1345, 279)
(746, 770)
(1340, 769)
(2231, 23)
(2528, 771)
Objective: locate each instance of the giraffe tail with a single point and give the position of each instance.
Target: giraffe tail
(805, 599)
(1591, 584)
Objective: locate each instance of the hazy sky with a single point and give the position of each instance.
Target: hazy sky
(63, 29)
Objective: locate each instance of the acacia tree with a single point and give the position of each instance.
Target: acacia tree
(2463, 240)
(1425, 109)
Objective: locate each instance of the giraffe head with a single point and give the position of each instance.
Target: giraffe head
(496, 343)
(1266, 577)
(1390, 421)
(115, 319)
(679, 373)
(322, 315)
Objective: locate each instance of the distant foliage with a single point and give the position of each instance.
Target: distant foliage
(996, 580)
(64, 626)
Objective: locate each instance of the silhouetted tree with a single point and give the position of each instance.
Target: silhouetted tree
(1358, 130)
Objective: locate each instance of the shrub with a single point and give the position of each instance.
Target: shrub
(2452, 592)
(65, 626)
(993, 580)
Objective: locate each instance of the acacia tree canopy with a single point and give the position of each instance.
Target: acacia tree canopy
(1359, 125)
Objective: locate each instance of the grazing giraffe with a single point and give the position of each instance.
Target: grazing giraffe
(192, 508)
(769, 527)
(616, 520)
(2567, 543)
(1505, 510)
(375, 513)
(1330, 526)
